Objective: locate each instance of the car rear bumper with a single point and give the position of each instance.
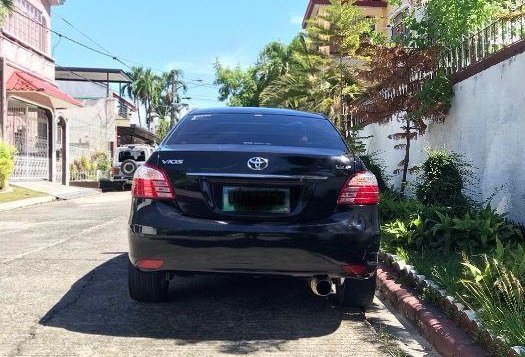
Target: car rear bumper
(186, 244)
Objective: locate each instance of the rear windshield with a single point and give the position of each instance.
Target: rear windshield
(136, 155)
(256, 129)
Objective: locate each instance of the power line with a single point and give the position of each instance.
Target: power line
(103, 51)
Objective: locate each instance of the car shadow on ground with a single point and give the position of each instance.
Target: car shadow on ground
(249, 313)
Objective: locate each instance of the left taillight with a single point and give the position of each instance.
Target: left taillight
(152, 183)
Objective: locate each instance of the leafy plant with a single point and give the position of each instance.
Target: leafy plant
(410, 234)
(377, 169)
(7, 163)
(513, 256)
(499, 298)
(101, 161)
(443, 177)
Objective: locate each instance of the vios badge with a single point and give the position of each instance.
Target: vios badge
(258, 163)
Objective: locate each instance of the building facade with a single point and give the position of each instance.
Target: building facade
(106, 119)
(30, 98)
(388, 19)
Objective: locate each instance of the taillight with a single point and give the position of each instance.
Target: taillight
(360, 189)
(150, 182)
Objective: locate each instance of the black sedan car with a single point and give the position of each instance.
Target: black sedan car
(255, 191)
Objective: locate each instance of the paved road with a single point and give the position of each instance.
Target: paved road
(63, 293)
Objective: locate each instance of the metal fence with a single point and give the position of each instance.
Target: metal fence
(498, 35)
(88, 175)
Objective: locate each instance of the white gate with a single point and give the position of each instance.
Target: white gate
(28, 131)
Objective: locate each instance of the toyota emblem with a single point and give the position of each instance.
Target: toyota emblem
(258, 163)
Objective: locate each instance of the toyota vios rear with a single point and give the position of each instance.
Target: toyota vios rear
(255, 191)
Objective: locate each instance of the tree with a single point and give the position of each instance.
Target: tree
(237, 87)
(322, 67)
(406, 88)
(170, 99)
(133, 89)
(446, 22)
(163, 128)
(157, 93)
(6, 6)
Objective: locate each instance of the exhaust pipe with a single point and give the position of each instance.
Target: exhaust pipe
(321, 286)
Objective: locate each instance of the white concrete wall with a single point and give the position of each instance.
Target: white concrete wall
(487, 125)
(94, 125)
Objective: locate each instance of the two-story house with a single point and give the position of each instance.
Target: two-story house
(29, 97)
(388, 19)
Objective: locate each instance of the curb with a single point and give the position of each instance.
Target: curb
(446, 337)
(455, 312)
(8, 206)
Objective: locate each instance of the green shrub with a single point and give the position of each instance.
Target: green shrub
(444, 176)
(394, 206)
(377, 169)
(412, 225)
(7, 163)
(101, 161)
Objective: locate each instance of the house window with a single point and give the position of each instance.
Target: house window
(399, 29)
(28, 25)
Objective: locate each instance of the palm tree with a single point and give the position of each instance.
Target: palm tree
(133, 89)
(7, 4)
(170, 100)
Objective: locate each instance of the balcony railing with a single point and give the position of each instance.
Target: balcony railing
(495, 37)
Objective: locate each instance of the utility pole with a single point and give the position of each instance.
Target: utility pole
(173, 92)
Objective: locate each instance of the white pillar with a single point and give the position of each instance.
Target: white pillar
(52, 149)
(65, 153)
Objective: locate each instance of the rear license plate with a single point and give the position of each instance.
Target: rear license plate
(253, 199)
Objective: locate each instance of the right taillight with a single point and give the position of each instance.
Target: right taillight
(150, 182)
(359, 189)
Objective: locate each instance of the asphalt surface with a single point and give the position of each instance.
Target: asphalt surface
(63, 292)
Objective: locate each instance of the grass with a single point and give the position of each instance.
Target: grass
(498, 297)
(19, 193)
(443, 268)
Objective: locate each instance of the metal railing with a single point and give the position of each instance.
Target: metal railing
(87, 175)
(493, 38)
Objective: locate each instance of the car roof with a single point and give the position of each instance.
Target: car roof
(256, 110)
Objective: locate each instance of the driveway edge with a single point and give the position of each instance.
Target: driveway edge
(446, 337)
(8, 206)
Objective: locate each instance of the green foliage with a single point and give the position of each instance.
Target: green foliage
(394, 206)
(446, 22)
(101, 161)
(237, 86)
(6, 6)
(158, 93)
(163, 128)
(89, 165)
(311, 73)
(7, 162)
(498, 296)
(443, 177)
(377, 169)
(436, 92)
(513, 256)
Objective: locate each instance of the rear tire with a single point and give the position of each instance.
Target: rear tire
(356, 293)
(147, 286)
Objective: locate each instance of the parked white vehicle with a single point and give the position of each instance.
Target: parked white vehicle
(126, 160)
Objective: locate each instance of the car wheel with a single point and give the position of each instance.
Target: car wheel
(147, 286)
(356, 293)
(128, 167)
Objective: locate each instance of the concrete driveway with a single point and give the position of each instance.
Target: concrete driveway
(63, 292)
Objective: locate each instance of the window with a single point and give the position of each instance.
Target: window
(399, 29)
(251, 129)
(28, 25)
